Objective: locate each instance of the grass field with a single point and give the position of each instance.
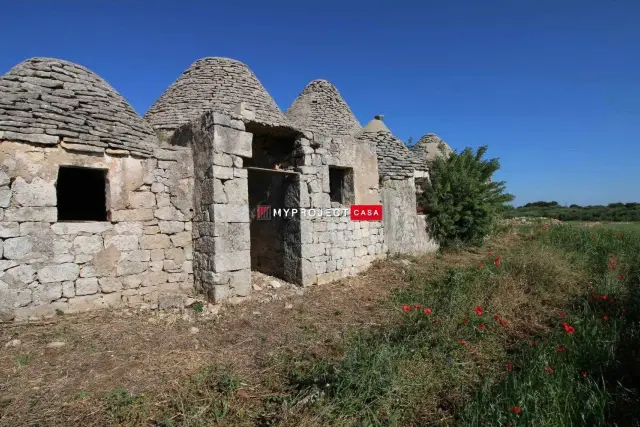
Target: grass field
(538, 328)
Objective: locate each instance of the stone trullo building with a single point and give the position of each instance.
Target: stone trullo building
(100, 207)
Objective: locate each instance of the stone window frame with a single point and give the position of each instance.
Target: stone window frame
(106, 189)
(347, 192)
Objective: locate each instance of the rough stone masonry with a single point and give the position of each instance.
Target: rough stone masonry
(161, 207)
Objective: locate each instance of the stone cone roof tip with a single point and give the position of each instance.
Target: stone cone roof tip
(49, 100)
(429, 147)
(376, 125)
(320, 108)
(213, 84)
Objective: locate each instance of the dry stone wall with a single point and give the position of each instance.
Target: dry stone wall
(142, 257)
(333, 247)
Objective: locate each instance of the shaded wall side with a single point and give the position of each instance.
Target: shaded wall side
(142, 257)
(405, 231)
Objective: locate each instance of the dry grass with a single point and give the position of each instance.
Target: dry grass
(142, 352)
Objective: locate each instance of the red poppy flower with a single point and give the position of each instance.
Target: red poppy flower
(584, 373)
(463, 342)
(436, 322)
(509, 366)
(496, 317)
(479, 266)
(478, 310)
(481, 327)
(568, 328)
(465, 320)
(549, 369)
(406, 308)
(515, 410)
(490, 254)
(427, 311)
(497, 261)
(561, 348)
(605, 318)
(603, 297)
(561, 314)
(503, 322)
(417, 306)
(621, 277)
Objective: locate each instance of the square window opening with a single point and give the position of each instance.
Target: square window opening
(82, 194)
(341, 185)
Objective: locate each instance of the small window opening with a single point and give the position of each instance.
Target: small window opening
(341, 185)
(81, 194)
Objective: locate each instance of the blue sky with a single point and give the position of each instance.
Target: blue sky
(552, 87)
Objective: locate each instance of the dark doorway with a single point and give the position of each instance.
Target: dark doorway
(81, 194)
(274, 240)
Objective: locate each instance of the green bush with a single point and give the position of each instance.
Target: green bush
(462, 201)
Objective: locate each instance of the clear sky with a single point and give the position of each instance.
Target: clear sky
(551, 86)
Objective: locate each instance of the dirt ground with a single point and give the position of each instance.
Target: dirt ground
(150, 352)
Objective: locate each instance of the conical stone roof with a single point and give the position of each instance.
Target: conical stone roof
(213, 84)
(47, 101)
(320, 108)
(395, 160)
(429, 147)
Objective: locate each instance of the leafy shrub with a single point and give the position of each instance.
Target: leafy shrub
(462, 201)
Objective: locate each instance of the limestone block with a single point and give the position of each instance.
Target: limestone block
(84, 303)
(222, 159)
(136, 255)
(58, 273)
(237, 191)
(181, 239)
(232, 261)
(131, 282)
(232, 237)
(9, 229)
(171, 227)
(24, 273)
(126, 267)
(163, 199)
(37, 193)
(18, 247)
(156, 266)
(222, 172)
(87, 244)
(6, 264)
(143, 199)
(81, 227)
(219, 196)
(157, 254)
(132, 215)
(44, 214)
(155, 241)
(229, 213)
(240, 173)
(313, 250)
(169, 213)
(104, 261)
(153, 278)
(175, 254)
(151, 229)
(5, 197)
(157, 187)
(68, 289)
(171, 266)
(109, 284)
(232, 141)
(112, 300)
(124, 242)
(187, 267)
(44, 293)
